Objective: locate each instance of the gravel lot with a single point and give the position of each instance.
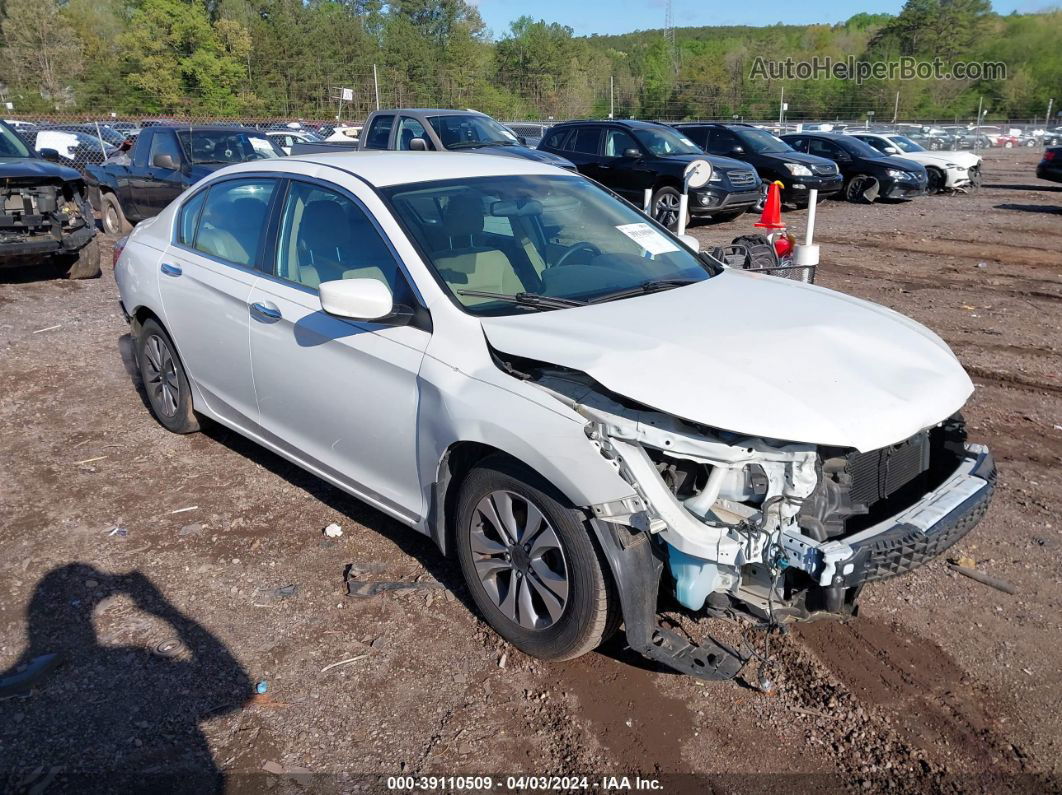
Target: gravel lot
(164, 628)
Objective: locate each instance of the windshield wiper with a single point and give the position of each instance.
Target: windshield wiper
(651, 286)
(526, 299)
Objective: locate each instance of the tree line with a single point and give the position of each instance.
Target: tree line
(294, 58)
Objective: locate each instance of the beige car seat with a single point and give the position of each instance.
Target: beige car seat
(466, 266)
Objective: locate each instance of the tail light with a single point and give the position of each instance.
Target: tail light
(1049, 154)
(119, 247)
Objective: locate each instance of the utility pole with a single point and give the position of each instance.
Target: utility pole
(669, 35)
(611, 97)
(376, 85)
(896, 108)
(980, 103)
(781, 106)
(1047, 121)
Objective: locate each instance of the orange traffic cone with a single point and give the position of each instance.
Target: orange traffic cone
(771, 217)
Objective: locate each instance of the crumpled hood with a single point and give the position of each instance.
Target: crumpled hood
(958, 157)
(900, 163)
(32, 167)
(756, 355)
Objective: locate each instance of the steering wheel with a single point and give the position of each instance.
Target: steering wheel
(576, 247)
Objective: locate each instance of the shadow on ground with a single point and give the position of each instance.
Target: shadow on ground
(82, 708)
(1047, 209)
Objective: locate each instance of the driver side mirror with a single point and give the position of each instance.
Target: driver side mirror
(891, 150)
(522, 141)
(632, 153)
(161, 160)
(51, 155)
(360, 299)
(418, 145)
(737, 149)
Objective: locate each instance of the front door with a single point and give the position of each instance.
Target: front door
(622, 173)
(338, 395)
(205, 281)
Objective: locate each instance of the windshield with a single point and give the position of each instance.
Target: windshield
(551, 239)
(905, 144)
(227, 146)
(10, 144)
(855, 146)
(663, 141)
(761, 141)
(468, 131)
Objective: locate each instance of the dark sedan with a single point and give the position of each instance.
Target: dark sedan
(868, 174)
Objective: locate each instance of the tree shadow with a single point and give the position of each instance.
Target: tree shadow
(1031, 208)
(79, 711)
(1010, 186)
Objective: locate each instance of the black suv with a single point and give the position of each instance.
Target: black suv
(772, 158)
(630, 156)
(45, 217)
(868, 174)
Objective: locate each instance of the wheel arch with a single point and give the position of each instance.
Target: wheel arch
(457, 461)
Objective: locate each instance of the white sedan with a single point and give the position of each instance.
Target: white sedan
(947, 170)
(560, 392)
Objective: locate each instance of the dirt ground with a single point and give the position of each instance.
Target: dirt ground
(164, 627)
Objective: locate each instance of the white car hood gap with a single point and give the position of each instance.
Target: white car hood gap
(756, 355)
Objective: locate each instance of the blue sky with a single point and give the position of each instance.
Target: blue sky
(621, 16)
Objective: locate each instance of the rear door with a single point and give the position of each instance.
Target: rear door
(583, 147)
(338, 395)
(206, 278)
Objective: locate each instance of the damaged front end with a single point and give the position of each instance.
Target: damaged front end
(40, 218)
(771, 530)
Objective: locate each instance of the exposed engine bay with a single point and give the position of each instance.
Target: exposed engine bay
(774, 530)
(41, 217)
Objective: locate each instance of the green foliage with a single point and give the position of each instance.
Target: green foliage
(291, 58)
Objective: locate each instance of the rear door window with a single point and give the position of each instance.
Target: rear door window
(234, 219)
(379, 135)
(586, 140)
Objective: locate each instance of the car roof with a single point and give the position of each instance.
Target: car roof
(204, 127)
(381, 168)
(629, 123)
(431, 111)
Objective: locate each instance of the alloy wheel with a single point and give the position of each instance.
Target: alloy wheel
(667, 209)
(519, 560)
(111, 219)
(160, 376)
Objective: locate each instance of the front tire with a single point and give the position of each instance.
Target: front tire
(861, 189)
(165, 382)
(86, 263)
(936, 181)
(530, 564)
(665, 207)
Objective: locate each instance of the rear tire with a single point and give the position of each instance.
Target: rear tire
(114, 221)
(86, 263)
(530, 564)
(165, 382)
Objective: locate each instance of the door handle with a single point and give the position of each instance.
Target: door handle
(171, 270)
(266, 309)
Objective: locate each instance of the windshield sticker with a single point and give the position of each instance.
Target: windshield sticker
(648, 238)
